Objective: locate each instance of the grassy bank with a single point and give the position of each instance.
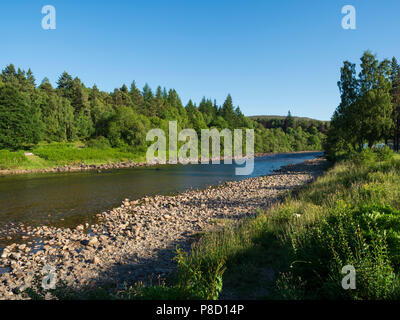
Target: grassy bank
(297, 249)
(59, 154)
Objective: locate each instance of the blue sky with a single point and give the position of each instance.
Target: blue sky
(271, 56)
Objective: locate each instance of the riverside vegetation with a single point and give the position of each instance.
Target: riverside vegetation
(72, 124)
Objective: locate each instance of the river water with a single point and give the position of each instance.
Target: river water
(68, 199)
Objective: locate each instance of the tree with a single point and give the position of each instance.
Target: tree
(65, 84)
(289, 122)
(374, 108)
(195, 117)
(137, 99)
(124, 116)
(344, 120)
(46, 85)
(365, 111)
(227, 111)
(83, 125)
(395, 93)
(19, 122)
(128, 128)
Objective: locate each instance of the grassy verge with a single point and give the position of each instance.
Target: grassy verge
(60, 154)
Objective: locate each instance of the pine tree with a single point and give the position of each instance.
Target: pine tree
(137, 99)
(65, 85)
(289, 122)
(19, 122)
(227, 111)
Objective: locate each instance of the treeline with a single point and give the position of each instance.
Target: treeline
(121, 119)
(307, 124)
(369, 111)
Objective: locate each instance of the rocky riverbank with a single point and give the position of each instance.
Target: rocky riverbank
(138, 239)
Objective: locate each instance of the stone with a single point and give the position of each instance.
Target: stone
(103, 238)
(94, 242)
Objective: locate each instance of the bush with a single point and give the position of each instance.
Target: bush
(99, 143)
(384, 153)
(366, 156)
(386, 219)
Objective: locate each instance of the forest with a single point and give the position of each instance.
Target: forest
(53, 122)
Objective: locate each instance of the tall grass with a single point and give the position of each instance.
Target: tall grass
(11, 160)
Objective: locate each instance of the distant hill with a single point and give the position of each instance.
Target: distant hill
(273, 122)
(268, 117)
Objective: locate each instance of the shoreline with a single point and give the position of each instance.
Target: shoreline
(137, 241)
(114, 165)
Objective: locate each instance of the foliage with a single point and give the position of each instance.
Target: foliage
(71, 111)
(19, 120)
(99, 143)
(368, 111)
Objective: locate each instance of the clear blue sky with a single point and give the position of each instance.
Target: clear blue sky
(271, 56)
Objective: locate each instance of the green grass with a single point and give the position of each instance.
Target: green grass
(60, 154)
(12, 160)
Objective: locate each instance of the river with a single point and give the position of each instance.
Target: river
(69, 199)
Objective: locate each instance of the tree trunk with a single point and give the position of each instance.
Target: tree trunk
(396, 135)
(370, 144)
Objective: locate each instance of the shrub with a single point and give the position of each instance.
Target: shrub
(99, 143)
(384, 153)
(365, 157)
(386, 219)
(322, 250)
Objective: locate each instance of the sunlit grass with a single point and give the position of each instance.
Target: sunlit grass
(60, 154)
